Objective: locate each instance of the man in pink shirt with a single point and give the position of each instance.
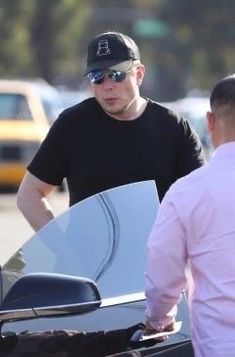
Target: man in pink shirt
(195, 227)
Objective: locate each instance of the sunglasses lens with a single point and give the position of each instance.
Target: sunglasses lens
(117, 76)
(96, 77)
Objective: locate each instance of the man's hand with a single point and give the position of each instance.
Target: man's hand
(149, 330)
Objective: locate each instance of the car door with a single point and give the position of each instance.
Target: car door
(102, 238)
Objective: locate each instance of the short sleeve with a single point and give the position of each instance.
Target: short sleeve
(191, 155)
(50, 164)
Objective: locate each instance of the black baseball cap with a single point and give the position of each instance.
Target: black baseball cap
(111, 50)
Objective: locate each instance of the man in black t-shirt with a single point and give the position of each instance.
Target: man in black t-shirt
(114, 138)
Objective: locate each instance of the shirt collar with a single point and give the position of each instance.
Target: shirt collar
(225, 149)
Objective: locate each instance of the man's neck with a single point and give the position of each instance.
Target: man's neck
(134, 110)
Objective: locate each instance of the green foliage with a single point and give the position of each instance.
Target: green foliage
(40, 37)
(205, 32)
(183, 43)
(15, 56)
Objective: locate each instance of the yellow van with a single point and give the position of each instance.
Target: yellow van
(27, 109)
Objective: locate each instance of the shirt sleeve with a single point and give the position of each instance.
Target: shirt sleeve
(191, 154)
(166, 264)
(50, 164)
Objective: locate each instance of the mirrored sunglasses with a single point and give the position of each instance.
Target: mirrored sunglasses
(98, 76)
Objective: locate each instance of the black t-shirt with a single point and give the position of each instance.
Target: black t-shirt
(95, 152)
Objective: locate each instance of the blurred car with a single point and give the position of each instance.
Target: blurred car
(27, 109)
(194, 109)
(102, 238)
(72, 97)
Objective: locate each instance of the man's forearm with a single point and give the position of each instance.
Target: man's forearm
(36, 210)
(32, 201)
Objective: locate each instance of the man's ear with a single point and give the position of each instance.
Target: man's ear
(210, 121)
(140, 74)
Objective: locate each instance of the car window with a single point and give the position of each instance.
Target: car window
(14, 106)
(52, 107)
(103, 238)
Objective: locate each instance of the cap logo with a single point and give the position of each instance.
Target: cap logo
(103, 48)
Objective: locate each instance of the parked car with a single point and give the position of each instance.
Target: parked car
(27, 109)
(72, 97)
(103, 239)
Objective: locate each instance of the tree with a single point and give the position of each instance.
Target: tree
(205, 32)
(41, 37)
(183, 43)
(56, 28)
(15, 56)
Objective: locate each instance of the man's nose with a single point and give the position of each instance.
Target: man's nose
(108, 82)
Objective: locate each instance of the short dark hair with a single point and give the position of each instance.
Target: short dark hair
(223, 92)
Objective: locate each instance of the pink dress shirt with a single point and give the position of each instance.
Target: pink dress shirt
(196, 225)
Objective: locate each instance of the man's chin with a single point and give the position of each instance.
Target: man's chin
(114, 111)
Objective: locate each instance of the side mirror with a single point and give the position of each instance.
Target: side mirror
(46, 295)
